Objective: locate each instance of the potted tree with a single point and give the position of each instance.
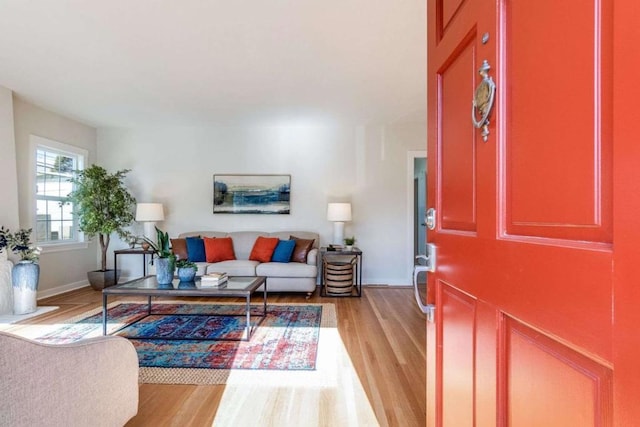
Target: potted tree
(104, 206)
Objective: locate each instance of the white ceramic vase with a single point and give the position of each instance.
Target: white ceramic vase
(6, 291)
(25, 276)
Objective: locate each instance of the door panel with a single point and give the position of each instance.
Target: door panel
(458, 159)
(549, 383)
(536, 41)
(448, 9)
(458, 355)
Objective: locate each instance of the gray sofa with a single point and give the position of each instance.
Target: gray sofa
(93, 382)
(281, 277)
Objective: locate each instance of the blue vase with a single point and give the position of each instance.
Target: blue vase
(186, 274)
(164, 270)
(24, 278)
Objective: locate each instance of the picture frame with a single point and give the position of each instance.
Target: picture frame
(267, 194)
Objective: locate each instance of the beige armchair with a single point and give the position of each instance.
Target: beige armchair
(93, 382)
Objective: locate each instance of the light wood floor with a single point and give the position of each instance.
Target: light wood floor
(383, 332)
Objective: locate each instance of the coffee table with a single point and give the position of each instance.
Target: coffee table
(236, 287)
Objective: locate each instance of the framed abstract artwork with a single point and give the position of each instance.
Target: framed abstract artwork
(251, 194)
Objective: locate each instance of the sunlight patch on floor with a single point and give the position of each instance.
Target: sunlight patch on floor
(75, 331)
(331, 395)
(8, 319)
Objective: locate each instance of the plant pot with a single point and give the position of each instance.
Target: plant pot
(102, 279)
(164, 270)
(24, 277)
(186, 274)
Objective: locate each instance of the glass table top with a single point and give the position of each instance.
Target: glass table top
(149, 284)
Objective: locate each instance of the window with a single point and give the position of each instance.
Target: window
(55, 163)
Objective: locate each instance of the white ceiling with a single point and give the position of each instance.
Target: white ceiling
(129, 63)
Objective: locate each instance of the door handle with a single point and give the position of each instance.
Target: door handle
(430, 259)
(430, 267)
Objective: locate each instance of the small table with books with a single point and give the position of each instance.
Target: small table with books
(232, 286)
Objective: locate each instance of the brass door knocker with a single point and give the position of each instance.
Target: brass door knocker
(483, 101)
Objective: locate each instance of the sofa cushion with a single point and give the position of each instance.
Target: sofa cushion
(219, 249)
(263, 249)
(195, 249)
(292, 269)
(234, 268)
(243, 242)
(283, 251)
(179, 248)
(302, 248)
(201, 268)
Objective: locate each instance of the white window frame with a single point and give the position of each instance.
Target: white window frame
(38, 142)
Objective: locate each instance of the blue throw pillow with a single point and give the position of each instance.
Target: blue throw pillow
(283, 251)
(195, 249)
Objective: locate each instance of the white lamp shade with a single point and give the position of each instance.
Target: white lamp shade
(149, 212)
(339, 212)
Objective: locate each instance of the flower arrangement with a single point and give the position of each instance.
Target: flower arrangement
(20, 243)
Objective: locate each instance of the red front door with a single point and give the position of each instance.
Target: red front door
(524, 331)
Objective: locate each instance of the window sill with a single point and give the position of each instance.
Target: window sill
(62, 247)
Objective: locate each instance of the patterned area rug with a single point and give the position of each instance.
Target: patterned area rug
(286, 339)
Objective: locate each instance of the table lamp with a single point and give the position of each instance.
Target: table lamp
(338, 213)
(149, 213)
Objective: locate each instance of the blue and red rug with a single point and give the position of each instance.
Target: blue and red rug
(286, 339)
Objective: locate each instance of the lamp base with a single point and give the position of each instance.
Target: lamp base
(338, 233)
(150, 231)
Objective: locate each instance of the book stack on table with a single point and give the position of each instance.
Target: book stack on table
(213, 280)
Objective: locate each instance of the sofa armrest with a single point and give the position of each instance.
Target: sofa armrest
(89, 382)
(312, 257)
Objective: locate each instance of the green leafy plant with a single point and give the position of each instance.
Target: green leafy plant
(350, 241)
(103, 205)
(4, 237)
(20, 243)
(161, 247)
(185, 263)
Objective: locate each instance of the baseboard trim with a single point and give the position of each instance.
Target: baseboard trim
(46, 293)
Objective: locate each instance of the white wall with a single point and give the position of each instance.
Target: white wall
(58, 270)
(8, 176)
(364, 165)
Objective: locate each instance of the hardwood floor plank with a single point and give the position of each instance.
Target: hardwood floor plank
(383, 333)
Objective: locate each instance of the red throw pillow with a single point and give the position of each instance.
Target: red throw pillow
(303, 246)
(179, 248)
(263, 249)
(219, 249)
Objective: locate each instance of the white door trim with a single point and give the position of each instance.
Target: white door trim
(411, 156)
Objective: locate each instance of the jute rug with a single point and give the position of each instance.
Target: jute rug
(286, 339)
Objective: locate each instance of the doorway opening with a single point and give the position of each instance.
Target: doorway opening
(417, 201)
(416, 209)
